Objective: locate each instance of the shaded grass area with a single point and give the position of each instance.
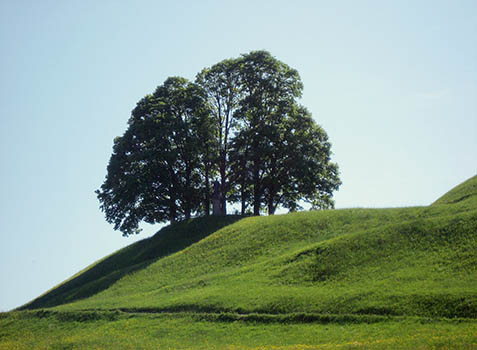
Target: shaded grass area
(135, 257)
(116, 330)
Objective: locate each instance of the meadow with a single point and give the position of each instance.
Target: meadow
(395, 278)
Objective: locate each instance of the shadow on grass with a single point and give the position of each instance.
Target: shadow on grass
(134, 257)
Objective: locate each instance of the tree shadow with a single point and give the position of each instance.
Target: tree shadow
(132, 258)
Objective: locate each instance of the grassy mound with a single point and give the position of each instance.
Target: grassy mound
(465, 191)
(386, 262)
(356, 278)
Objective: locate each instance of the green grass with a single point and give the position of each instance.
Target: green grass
(100, 330)
(464, 191)
(352, 278)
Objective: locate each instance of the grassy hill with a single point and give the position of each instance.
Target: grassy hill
(350, 266)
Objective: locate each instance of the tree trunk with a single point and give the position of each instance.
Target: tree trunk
(256, 188)
(256, 198)
(256, 204)
(223, 185)
(271, 207)
(172, 199)
(207, 191)
(242, 195)
(244, 181)
(187, 194)
(173, 212)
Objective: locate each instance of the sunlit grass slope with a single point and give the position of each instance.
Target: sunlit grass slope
(464, 191)
(419, 261)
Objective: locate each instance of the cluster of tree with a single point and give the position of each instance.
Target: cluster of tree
(239, 124)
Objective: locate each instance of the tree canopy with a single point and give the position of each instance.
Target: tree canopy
(239, 124)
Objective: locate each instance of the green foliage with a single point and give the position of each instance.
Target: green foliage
(156, 165)
(222, 88)
(280, 155)
(239, 123)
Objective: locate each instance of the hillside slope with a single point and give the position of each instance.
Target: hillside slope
(407, 261)
(464, 191)
(105, 272)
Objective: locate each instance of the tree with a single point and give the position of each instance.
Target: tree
(154, 173)
(240, 175)
(240, 122)
(221, 85)
(280, 156)
(268, 86)
(304, 172)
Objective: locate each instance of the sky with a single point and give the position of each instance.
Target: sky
(393, 83)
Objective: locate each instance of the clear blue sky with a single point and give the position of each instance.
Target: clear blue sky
(394, 84)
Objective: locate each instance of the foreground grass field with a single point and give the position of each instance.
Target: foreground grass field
(350, 279)
(117, 330)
